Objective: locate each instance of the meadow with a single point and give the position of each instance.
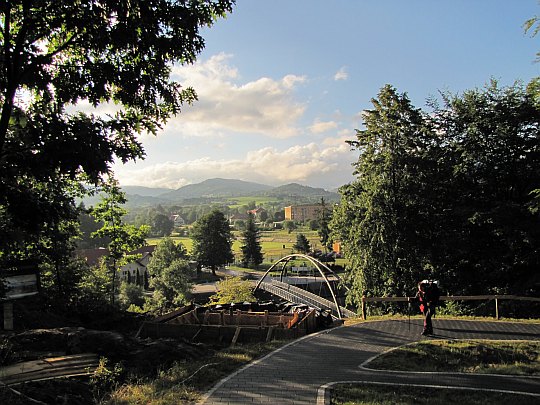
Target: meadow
(275, 243)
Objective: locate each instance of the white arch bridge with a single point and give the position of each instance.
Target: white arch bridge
(278, 286)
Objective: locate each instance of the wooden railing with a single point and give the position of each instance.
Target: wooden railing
(495, 298)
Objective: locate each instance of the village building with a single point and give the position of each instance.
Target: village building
(302, 213)
(134, 272)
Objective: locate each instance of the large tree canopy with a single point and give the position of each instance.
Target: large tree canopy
(445, 195)
(57, 55)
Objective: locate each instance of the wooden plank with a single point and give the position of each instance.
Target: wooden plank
(236, 335)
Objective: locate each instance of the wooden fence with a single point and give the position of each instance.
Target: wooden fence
(495, 298)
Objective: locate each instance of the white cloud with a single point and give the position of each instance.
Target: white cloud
(319, 127)
(341, 74)
(264, 106)
(310, 164)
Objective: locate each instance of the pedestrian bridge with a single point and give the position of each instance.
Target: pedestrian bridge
(279, 286)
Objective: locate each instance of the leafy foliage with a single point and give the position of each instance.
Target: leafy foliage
(233, 289)
(170, 275)
(130, 294)
(445, 195)
(212, 240)
(122, 238)
(56, 55)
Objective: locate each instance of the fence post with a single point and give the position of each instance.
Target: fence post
(496, 308)
(8, 315)
(364, 313)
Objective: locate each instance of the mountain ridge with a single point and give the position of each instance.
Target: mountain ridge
(216, 188)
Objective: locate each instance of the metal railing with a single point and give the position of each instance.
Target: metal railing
(295, 294)
(495, 298)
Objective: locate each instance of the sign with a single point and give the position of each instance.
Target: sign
(19, 284)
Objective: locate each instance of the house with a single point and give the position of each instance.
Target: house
(135, 272)
(257, 212)
(237, 217)
(177, 220)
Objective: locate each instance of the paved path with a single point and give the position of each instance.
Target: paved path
(298, 373)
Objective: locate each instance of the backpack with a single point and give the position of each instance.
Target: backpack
(432, 292)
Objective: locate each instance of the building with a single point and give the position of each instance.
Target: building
(302, 213)
(178, 220)
(133, 272)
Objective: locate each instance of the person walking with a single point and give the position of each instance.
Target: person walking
(428, 297)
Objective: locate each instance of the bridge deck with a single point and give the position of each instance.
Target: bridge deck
(295, 294)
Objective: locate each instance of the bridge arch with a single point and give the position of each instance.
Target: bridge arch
(321, 267)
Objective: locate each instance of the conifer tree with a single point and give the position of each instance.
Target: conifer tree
(251, 247)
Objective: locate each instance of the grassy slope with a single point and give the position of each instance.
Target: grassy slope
(500, 357)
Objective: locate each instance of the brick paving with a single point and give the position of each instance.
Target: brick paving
(298, 373)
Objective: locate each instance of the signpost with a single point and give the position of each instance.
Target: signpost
(17, 284)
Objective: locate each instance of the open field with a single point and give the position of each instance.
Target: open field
(275, 244)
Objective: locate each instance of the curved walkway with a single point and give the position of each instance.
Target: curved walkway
(300, 372)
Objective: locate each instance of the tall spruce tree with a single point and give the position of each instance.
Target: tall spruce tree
(324, 216)
(251, 246)
(302, 244)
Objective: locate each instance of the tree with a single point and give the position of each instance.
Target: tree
(122, 238)
(382, 217)
(170, 274)
(58, 54)
(251, 246)
(212, 240)
(240, 224)
(130, 294)
(162, 225)
(324, 217)
(289, 226)
(532, 25)
(445, 195)
(302, 244)
(490, 240)
(231, 290)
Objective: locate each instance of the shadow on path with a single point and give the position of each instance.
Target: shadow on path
(296, 373)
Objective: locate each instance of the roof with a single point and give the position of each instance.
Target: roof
(92, 256)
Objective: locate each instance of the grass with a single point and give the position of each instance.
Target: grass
(470, 356)
(352, 394)
(272, 243)
(186, 381)
(501, 357)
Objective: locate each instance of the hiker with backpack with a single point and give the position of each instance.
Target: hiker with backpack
(428, 297)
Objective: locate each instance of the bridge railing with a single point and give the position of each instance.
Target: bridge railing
(495, 298)
(295, 294)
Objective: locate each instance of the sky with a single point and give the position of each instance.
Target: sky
(281, 84)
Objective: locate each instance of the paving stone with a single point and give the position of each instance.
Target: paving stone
(294, 374)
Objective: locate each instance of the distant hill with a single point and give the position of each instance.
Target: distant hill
(144, 191)
(215, 188)
(298, 190)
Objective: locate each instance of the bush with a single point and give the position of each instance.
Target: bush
(233, 289)
(130, 294)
